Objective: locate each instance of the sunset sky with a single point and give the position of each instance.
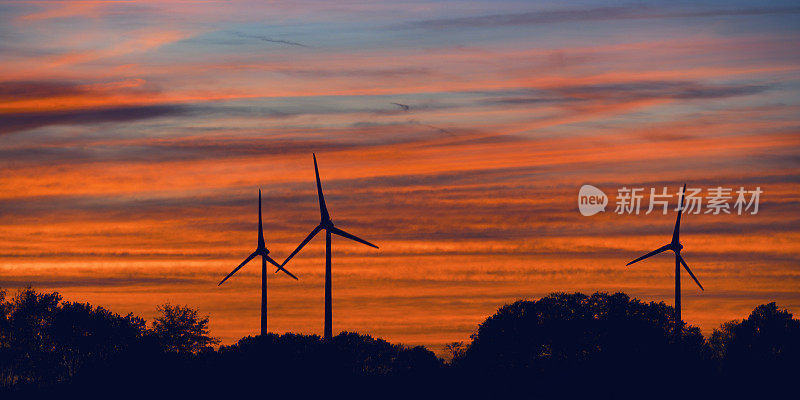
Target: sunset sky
(134, 136)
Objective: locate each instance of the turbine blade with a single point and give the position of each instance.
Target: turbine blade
(260, 229)
(303, 243)
(680, 258)
(676, 233)
(246, 260)
(351, 236)
(271, 261)
(323, 210)
(650, 254)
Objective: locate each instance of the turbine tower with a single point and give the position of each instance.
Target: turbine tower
(676, 246)
(261, 250)
(326, 224)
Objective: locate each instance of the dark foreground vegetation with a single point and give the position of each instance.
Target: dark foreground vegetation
(561, 346)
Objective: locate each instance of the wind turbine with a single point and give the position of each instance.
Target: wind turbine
(676, 246)
(261, 250)
(326, 224)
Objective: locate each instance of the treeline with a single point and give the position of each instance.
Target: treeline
(604, 345)
(50, 346)
(45, 341)
(611, 345)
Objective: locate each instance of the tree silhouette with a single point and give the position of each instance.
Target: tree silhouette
(45, 341)
(30, 338)
(179, 329)
(564, 338)
(93, 336)
(765, 344)
(6, 354)
(455, 350)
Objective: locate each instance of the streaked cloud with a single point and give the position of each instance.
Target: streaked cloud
(24, 121)
(627, 12)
